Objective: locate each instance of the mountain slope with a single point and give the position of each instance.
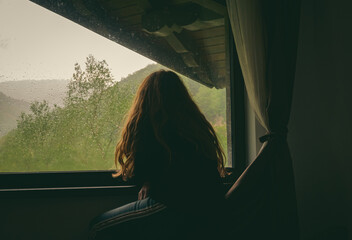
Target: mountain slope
(10, 110)
(53, 91)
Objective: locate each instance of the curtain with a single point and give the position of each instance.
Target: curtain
(266, 35)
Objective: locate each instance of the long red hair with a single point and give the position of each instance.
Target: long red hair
(162, 100)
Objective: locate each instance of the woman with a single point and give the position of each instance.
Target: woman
(171, 151)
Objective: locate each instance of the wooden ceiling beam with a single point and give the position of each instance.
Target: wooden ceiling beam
(204, 71)
(191, 55)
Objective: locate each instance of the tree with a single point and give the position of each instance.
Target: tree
(88, 93)
(89, 83)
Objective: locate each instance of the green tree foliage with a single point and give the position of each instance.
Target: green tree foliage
(82, 134)
(91, 83)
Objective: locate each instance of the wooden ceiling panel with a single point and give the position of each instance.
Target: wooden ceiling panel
(219, 64)
(208, 33)
(216, 57)
(214, 41)
(214, 49)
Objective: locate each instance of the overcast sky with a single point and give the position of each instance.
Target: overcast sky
(36, 43)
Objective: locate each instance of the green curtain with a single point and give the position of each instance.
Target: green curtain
(266, 36)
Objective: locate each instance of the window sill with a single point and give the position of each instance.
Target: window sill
(63, 184)
(71, 184)
(69, 191)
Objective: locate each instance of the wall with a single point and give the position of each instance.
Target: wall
(55, 215)
(320, 127)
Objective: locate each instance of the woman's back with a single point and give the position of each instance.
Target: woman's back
(168, 145)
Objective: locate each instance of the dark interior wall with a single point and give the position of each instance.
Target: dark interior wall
(54, 216)
(320, 129)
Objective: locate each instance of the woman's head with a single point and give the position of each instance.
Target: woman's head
(163, 104)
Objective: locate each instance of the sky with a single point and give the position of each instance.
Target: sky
(36, 44)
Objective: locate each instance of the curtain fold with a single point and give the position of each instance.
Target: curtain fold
(266, 36)
(247, 27)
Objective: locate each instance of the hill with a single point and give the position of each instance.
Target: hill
(16, 96)
(10, 110)
(53, 91)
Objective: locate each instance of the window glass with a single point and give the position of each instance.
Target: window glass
(64, 92)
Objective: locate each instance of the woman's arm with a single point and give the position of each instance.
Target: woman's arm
(144, 192)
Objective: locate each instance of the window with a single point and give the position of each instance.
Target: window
(64, 92)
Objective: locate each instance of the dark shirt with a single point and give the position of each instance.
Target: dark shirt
(188, 183)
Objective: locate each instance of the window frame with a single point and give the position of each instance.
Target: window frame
(238, 114)
(73, 183)
(101, 182)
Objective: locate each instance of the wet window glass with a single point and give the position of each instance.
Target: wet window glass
(65, 90)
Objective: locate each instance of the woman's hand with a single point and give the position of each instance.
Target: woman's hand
(144, 192)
